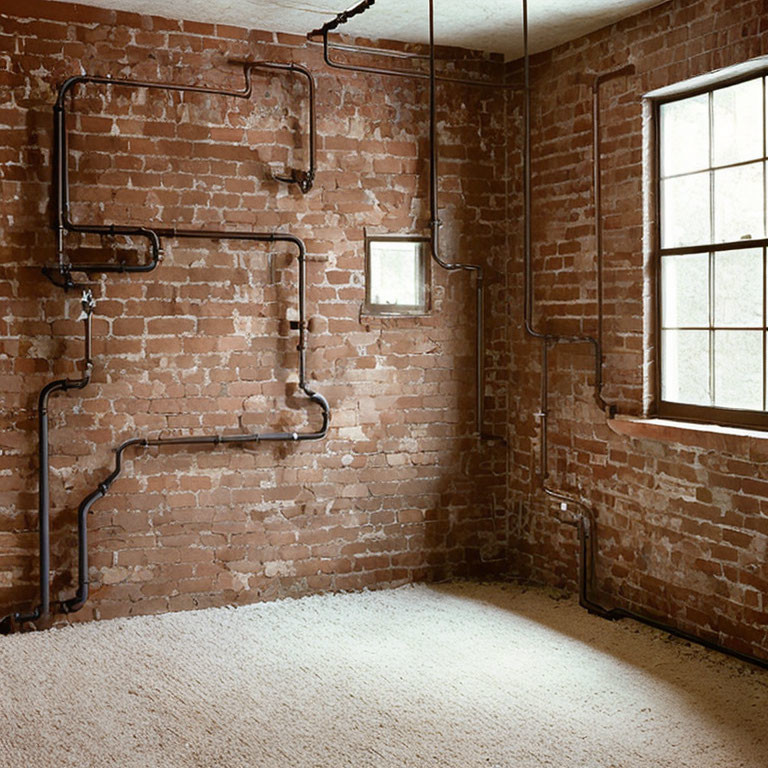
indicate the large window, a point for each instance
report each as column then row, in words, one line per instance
column 712, row 235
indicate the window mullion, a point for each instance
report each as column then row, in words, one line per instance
column 712, row 393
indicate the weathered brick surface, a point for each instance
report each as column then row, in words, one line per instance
column 401, row 489
column 684, row 525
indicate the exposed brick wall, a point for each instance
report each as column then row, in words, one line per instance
column 684, row 525
column 401, row 489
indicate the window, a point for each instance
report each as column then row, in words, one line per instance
column 396, row 275
column 713, row 327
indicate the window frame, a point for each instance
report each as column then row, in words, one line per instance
column 371, row 309
column 706, row 84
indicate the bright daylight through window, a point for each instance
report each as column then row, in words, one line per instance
column 397, row 275
column 712, row 196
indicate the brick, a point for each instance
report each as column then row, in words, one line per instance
column 203, row 344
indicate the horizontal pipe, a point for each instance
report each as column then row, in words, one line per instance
column 411, row 74
column 369, row 49
column 64, row 223
column 356, row 10
column 587, row 522
column 78, row 601
column 71, row 82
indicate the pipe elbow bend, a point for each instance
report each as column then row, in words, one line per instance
column 321, row 401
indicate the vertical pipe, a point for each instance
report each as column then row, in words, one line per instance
column 42, row 610
column 597, row 186
column 597, row 177
column 435, row 239
column 527, row 259
column 480, row 356
column 302, row 346
column 312, row 132
column 433, row 171
column 43, row 504
column 586, row 522
column 544, row 412
column 60, row 164
column 82, row 517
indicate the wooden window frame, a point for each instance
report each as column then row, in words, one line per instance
column 706, row 84
column 399, row 310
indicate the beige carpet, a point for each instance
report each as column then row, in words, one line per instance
column 464, row 676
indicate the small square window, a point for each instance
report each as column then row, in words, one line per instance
column 396, row 275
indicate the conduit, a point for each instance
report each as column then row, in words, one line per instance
column 356, row 10
column 435, row 222
column 65, row 268
column 77, row 602
column 44, row 499
column 64, row 224
column 586, row 521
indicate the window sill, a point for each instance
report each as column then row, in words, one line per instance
column 708, row 436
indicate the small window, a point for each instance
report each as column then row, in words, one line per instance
column 396, row 275
column 713, row 329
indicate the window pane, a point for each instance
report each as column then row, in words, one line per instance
column 685, row 290
column 395, row 274
column 685, row 214
column 685, row 135
column 685, row 367
column 739, row 204
column 739, row 369
column 737, row 113
column 739, row 288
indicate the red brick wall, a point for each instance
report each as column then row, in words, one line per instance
column 683, row 523
column 401, row 489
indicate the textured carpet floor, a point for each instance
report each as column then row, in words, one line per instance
column 464, row 676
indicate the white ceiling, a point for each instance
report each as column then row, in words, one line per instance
column 489, row 25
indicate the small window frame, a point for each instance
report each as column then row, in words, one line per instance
column 709, row 414
column 399, row 310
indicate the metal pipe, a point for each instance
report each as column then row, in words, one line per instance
column 435, row 225
column 76, row 603
column 304, row 179
column 528, row 296
column 586, row 523
column 64, row 268
column 42, row 610
column 597, row 177
column 342, row 18
column 369, row 49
